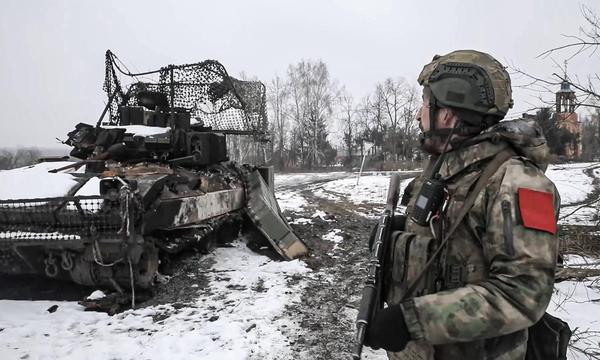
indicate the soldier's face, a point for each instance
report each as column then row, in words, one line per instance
column 423, row 114
column 445, row 118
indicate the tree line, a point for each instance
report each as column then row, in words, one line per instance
column 307, row 104
column 10, row 159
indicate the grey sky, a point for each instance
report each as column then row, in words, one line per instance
column 52, row 52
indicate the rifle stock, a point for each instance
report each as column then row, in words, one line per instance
column 372, row 291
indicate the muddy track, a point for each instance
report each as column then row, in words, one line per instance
column 329, row 302
column 336, row 283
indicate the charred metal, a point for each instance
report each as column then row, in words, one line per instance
column 160, row 193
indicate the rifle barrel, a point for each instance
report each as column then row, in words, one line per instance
column 371, row 294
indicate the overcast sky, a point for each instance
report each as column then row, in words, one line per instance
column 52, row 52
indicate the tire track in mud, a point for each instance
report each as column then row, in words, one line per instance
column 329, row 303
column 334, row 287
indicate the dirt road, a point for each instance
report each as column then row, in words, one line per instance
column 338, row 243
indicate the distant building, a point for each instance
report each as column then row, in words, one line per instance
column 566, row 102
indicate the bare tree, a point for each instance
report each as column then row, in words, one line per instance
column 590, row 140
column 349, row 123
column 586, row 42
column 312, row 94
column 6, row 159
column 301, row 108
column 401, row 105
column 387, row 117
column 277, row 97
column 409, row 133
column 373, row 120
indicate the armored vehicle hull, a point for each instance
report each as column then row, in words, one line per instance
column 150, row 184
column 139, row 217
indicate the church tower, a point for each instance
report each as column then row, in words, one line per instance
column 566, row 102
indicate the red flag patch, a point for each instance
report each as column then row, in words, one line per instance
column 537, row 210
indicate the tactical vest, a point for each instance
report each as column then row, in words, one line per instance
column 413, row 246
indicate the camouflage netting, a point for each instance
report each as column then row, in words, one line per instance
column 56, row 219
column 205, row 89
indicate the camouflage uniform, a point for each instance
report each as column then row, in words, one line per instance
column 498, row 273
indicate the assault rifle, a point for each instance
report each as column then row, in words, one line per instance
column 372, row 298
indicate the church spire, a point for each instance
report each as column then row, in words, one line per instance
column 566, row 102
column 565, row 97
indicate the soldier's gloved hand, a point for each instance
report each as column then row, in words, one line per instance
column 398, row 223
column 388, row 330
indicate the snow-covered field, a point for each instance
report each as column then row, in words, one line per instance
column 577, row 303
column 368, row 189
column 222, row 324
column 574, row 183
column 244, row 312
column 571, row 181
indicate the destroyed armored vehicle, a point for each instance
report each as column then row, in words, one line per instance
column 153, row 179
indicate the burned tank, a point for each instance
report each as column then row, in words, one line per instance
column 152, row 179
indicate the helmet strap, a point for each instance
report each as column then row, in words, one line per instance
column 438, row 164
column 433, row 110
column 433, row 131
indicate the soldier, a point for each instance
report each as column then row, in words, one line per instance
column 495, row 275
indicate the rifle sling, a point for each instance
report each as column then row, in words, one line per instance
column 487, row 173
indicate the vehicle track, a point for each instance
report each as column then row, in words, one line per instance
column 327, row 311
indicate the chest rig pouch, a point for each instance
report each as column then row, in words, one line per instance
column 408, row 255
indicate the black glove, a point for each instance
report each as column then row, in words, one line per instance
column 388, row 330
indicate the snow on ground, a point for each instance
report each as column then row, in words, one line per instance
column 579, row 215
column 578, row 303
column 293, row 201
column 239, row 318
column 140, row 130
column 574, row 186
column 290, row 201
column 322, row 193
column 290, row 179
column 370, row 188
column 570, row 180
column 337, row 186
column 35, row 181
column 301, row 221
column 335, row 237
column 321, row 215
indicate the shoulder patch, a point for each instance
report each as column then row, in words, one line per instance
column 537, row 210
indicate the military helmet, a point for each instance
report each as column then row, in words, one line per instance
column 470, row 80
